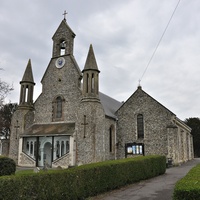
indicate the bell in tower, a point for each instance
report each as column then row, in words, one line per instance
column 62, row 47
column 63, row 40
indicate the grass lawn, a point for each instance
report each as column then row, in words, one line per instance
column 24, row 172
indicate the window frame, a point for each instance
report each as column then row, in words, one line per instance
column 140, row 126
column 112, row 139
column 57, row 108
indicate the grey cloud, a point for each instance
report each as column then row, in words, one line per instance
column 124, row 36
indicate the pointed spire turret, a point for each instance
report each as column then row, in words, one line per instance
column 27, row 85
column 91, row 63
column 28, row 75
column 91, row 78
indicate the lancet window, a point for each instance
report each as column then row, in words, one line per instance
column 140, row 126
column 58, row 108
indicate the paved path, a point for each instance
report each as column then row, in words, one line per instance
column 158, row 188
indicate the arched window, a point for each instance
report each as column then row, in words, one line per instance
column 111, row 138
column 35, row 149
column 59, row 107
column 62, row 47
column 97, row 86
column 67, row 146
column 26, row 94
column 140, row 126
column 39, row 153
column 57, row 149
column 31, row 149
column 27, row 146
column 87, row 83
column 92, row 83
column 62, row 148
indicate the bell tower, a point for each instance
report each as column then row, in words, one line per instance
column 63, row 40
column 91, row 78
column 27, row 86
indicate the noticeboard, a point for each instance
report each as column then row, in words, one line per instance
column 134, row 149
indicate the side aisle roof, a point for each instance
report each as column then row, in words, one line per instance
column 110, row 105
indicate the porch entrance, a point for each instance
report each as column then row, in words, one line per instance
column 47, row 154
column 45, row 150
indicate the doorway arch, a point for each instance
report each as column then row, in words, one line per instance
column 47, row 153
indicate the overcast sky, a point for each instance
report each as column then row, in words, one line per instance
column 124, row 35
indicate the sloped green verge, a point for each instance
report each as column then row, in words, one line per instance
column 81, row 182
column 188, row 188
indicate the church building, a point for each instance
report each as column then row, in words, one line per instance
column 73, row 123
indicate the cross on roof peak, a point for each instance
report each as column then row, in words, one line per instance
column 65, row 13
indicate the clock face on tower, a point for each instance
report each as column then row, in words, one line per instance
column 60, row 62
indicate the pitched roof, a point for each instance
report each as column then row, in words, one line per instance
column 110, row 105
column 50, row 129
column 76, row 65
column 64, row 24
column 139, row 90
column 91, row 60
column 28, row 74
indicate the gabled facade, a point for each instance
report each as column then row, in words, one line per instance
column 143, row 120
column 73, row 123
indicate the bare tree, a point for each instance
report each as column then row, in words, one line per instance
column 6, row 112
column 5, row 88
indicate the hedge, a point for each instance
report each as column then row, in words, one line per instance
column 188, row 188
column 7, row 166
column 81, row 182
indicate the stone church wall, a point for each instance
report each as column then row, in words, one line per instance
column 4, row 147
column 191, row 147
column 29, row 119
column 24, row 160
column 63, row 82
column 183, row 145
column 110, row 153
column 172, row 143
column 17, row 128
column 90, row 133
column 63, row 162
column 156, row 119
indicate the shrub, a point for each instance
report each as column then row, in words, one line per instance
column 7, row 166
column 81, row 182
column 188, row 188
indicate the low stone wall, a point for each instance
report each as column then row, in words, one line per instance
column 26, row 161
column 63, row 162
